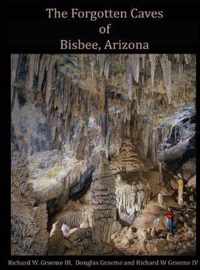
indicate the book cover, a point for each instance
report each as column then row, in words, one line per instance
column 103, row 123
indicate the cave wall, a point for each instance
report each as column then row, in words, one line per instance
column 91, row 101
column 29, row 234
column 69, row 110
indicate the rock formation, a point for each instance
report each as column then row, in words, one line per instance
column 29, row 234
column 94, row 140
column 104, row 203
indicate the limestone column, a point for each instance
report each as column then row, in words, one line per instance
column 103, row 203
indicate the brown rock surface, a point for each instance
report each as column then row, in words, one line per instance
column 28, row 222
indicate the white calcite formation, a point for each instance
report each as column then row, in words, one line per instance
column 130, row 199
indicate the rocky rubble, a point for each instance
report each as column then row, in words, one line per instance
column 29, row 234
column 144, row 238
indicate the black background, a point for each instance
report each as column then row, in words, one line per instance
column 30, row 31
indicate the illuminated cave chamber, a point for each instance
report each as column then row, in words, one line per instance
column 94, row 140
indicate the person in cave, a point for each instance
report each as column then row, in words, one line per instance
column 170, row 222
column 180, row 189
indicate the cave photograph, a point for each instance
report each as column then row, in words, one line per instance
column 103, row 155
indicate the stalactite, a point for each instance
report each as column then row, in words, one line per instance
column 81, row 63
column 177, row 57
column 101, row 62
column 154, row 145
column 92, row 69
column 49, row 80
column 41, row 72
column 129, row 199
column 14, row 64
column 187, row 58
column 146, row 136
column 166, row 69
column 152, row 58
column 31, row 71
column 106, row 70
column 130, row 84
column 92, row 60
column 143, row 56
column 135, row 64
column 36, row 63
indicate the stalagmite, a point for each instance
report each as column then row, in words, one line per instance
column 53, row 229
column 160, row 199
column 180, row 190
column 103, row 199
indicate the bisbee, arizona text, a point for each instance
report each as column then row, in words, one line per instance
column 108, row 45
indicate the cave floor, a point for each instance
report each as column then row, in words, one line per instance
column 126, row 242
column 182, row 242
